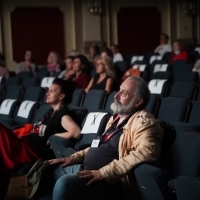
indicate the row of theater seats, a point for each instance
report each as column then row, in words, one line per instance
column 147, row 69
column 163, row 88
column 27, row 81
column 168, row 109
column 175, row 115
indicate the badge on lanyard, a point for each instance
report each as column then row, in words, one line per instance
column 95, row 143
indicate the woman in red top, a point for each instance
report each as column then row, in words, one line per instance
column 81, row 77
column 178, row 52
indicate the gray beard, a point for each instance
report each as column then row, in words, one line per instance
column 120, row 109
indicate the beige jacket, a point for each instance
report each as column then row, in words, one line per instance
column 140, row 142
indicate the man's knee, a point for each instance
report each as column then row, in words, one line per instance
column 66, row 182
column 68, row 186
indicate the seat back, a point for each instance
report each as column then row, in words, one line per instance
column 30, row 82
column 14, row 92
column 47, row 82
column 26, row 112
column 159, row 87
column 184, row 90
column 13, row 81
column 41, row 111
column 8, row 108
column 162, row 75
column 187, row 76
column 42, row 74
column 78, row 114
column 34, row 94
column 2, row 80
column 24, row 74
column 185, row 157
column 94, row 100
column 194, row 114
column 173, row 109
column 2, row 92
column 136, row 58
column 93, row 126
column 160, row 68
column 121, row 66
column 141, row 67
column 177, row 68
column 153, row 104
column 154, row 57
column 197, row 98
column 167, row 56
column 109, row 101
column 77, row 98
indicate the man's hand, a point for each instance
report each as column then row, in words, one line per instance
column 66, row 161
column 93, row 175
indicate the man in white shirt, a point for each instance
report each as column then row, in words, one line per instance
column 116, row 55
column 164, row 46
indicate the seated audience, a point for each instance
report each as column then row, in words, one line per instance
column 16, row 151
column 178, row 52
column 94, row 53
column 102, row 171
column 116, row 55
column 3, row 71
column 81, row 76
column 28, row 63
column 107, row 52
column 53, row 63
column 164, row 46
column 104, row 78
column 65, row 74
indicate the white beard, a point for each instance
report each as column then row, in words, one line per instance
column 118, row 108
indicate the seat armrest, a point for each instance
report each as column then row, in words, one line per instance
column 82, row 146
column 151, row 182
column 68, row 152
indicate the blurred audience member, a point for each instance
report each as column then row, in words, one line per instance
column 164, row 46
column 3, row 71
column 94, row 53
column 53, row 63
column 196, row 67
column 28, row 63
column 104, row 78
column 81, row 76
column 178, row 52
column 65, row 74
column 74, row 53
column 107, row 52
column 116, row 55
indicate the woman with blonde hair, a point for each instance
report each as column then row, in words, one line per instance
column 53, row 63
column 104, row 78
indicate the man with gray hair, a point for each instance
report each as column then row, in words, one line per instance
column 103, row 171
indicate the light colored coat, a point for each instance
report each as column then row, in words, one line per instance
column 140, row 142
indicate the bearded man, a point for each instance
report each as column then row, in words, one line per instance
column 103, row 171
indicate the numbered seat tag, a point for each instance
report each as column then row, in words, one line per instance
column 95, row 143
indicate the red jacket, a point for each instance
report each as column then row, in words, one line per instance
column 183, row 55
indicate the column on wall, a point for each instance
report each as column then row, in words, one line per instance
column 91, row 28
column 1, row 32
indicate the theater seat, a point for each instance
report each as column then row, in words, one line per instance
column 159, row 87
column 92, row 127
column 182, row 171
column 24, row 115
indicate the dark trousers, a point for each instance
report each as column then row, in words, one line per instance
column 57, row 183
